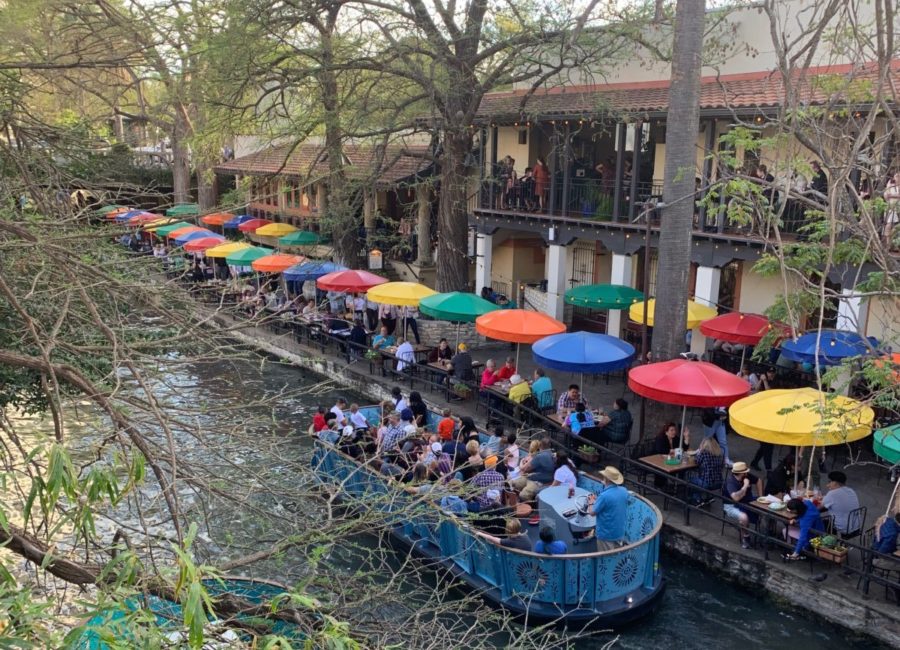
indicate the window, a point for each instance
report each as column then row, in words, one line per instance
column 523, row 136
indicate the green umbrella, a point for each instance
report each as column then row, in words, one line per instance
column 183, row 210
column 456, row 307
column 164, row 231
column 246, row 256
column 299, row 238
column 106, row 209
column 887, row 444
column 603, row 296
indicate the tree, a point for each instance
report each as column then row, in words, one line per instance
column 670, row 314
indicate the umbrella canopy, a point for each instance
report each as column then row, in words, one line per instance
column 203, row 243
column 696, row 313
column 106, row 209
column 735, row 327
column 234, row 222
column 518, row 325
column 247, row 256
column 123, row 217
column 252, row 224
column 603, row 296
column 399, row 293
column 687, row 383
column 275, row 230
column 115, row 212
column 584, row 352
column 151, row 226
column 202, row 233
column 801, row 417
column 887, row 444
column 456, row 306
column 142, row 219
column 163, row 231
column 833, row 347
column 299, row 238
column 891, row 363
column 183, row 210
column 217, row 218
column 349, row 281
column 311, row 270
column 275, row 263
column 224, row 250
column 174, row 234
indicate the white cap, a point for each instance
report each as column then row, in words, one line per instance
column 493, row 495
column 411, row 429
column 436, row 447
column 348, row 431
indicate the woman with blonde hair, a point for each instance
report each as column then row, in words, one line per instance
column 710, row 467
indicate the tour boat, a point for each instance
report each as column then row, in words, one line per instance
column 582, row 587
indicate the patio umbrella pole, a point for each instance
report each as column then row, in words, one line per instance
column 681, row 433
column 456, row 349
column 517, row 356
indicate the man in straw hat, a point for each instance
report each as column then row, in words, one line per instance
column 609, row 508
column 739, row 487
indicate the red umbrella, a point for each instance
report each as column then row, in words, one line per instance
column 201, row 244
column 353, row 281
column 736, row 327
column 253, row 224
column 687, row 383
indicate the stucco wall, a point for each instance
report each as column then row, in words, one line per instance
column 883, row 321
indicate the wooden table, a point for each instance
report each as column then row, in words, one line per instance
column 779, row 515
column 658, row 461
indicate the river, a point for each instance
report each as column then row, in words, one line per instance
column 699, row 610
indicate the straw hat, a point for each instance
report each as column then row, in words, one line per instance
column 740, row 468
column 490, row 462
column 516, row 379
column 612, row 474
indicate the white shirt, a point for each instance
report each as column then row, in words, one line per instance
column 564, row 476
column 405, row 355
column 359, row 303
column 402, row 404
column 339, row 413
column 359, row 421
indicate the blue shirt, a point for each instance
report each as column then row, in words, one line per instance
column 887, row 537
column 543, row 391
column 576, row 425
column 609, row 509
column 556, row 547
column 808, row 522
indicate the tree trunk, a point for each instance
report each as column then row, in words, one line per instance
column 670, row 317
column 207, row 193
column 423, row 197
column 181, row 166
column 453, row 224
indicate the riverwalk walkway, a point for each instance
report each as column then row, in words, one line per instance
column 834, row 592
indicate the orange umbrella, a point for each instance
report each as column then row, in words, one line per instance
column 518, row 326
column 112, row 214
column 182, row 231
column 276, row 263
column 217, row 218
column 890, row 360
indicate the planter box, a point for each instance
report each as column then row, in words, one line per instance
column 590, row 459
column 831, row 555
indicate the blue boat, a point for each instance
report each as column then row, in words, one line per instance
column 589, row 587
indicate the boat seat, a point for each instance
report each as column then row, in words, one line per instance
column 493, row 521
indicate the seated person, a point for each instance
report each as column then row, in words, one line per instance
column 489, row 375
column 569, row 400
column 710, row 465
column 840, row 501
column 565, row 472
column 780, row 481
column 580, row 419
column 542, row 388
column 406, row 355
column 548, row 544
column 618, row 423
column 666, row 440
column 318, row 422
column 442, row 353
column 357, row 419
column 805, row 522
column 739, row 487
column 885, row 541
column 519, row 389
column 461, row 364
column 508, row 369
column 536, row 472
column 515, row 537
column 446, row 426
column 382, row 339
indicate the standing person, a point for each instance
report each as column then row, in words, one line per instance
column 388, row 316
column 892, row 211
column 610, row 507
column 819, row 180
column 805, row 520
column 409, row 315
column 371, row 314
column 714, row 427
column 358, row 339
column 359, row 307
column 541, row 181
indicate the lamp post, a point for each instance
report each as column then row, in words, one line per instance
column 649, row 207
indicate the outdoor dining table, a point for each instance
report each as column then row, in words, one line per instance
column 658, row 461
column 442, row 368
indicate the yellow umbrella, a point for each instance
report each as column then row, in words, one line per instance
column 399, row 293
column 696, row 313
column 801, row 417
column 224, row 250
column 159, row 223
column 275, row 230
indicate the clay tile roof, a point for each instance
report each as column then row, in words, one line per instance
column 740, row 92
column 308, row 161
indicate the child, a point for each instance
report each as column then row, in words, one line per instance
column 511, row 453
column 357, row 419
column 319, row 419
column 446, row 426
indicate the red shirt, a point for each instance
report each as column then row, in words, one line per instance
column 319, row 422
column 488, row 378
column 445, row 428
column 505, row 372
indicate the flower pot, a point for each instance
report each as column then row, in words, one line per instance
column 838, row 556
column 590, row 459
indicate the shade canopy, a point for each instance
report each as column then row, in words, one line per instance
column 234, row 222
column 311, row 270
column 584, row 352
column 887, row 444
column 217, row 218
column 401, row 294
column 124, row 217
column 202, row 233
column 142, row 219
column 891, row 364
column 246, row 256
column 696, row 313
column 275, row 263
column 106, row 209
column 518, row 325
column 603, row 296
column 203, row 243
column 456, row 306
column 275, row 230
column 801, row 417
column 115, row 212
column 735, row 327
column 183, row 210
column 151, row 226
column 251, row 225
column 349, row 281
column 832, row 347
column 687, row 383
column 174, row 234
column 224, row 250
column 163, row 231
column 299, row 238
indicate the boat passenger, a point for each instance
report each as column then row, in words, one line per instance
column 580, row 419
column 805, row 521
column 383, row 339
column 406, row 355
column 492, row 446
column 511, row 453
column 610, row 507
column 508, row 369
column 338, row 410
column 490, row 485
column 474, row 462
column 549, row 544
column 456, row 450
column 739, row 487
column 331, row 434
column 537, row 472
column 569, row 400
column 418, row 408
column 399, row 402
column 349, row 441
column 515, row 537
column 357, row 419
column 565, row 471
column 394, row 434
column 318, row 422
column 519, row 389
column 461, row 364
column 446, row 426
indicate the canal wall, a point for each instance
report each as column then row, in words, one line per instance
column 719, row 555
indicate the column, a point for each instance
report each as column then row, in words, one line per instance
column 423, row 197
column 852, row 312
column 635, row 171
column 622, row 273
column 622, row 134
column 556, row 280
column 706, row 292
column 484, row 251
column 322, row 199
column 369, row 215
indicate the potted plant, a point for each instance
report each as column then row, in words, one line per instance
column 589, row 454
column 373, row 355
column 462, row 390
column 828, row 547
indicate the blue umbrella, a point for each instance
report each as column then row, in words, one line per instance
column 237, row 221
column 583, row 352
column 834, row 346
column 310, row 270
column 125, row 216
column 194, row 234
